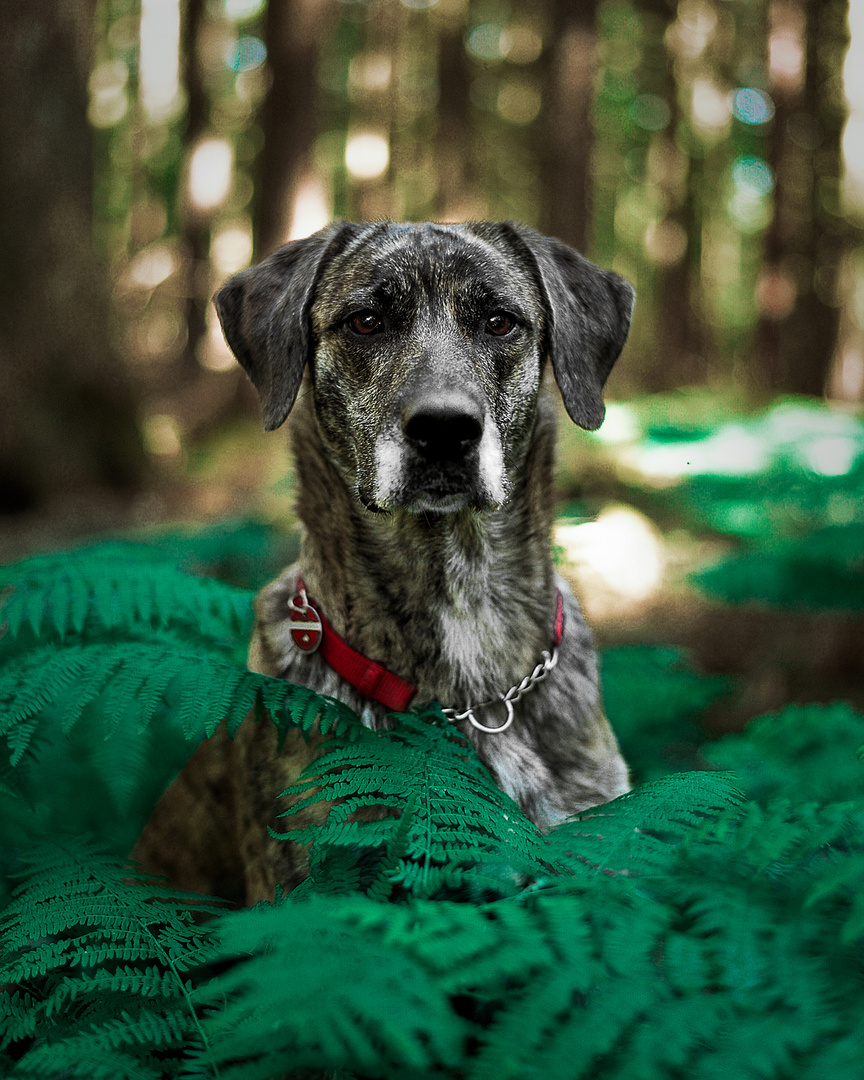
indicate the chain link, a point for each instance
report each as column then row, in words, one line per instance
column 509, row 699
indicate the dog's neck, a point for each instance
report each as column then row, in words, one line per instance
column 459, row 604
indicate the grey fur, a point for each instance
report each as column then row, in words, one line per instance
column 426, row 541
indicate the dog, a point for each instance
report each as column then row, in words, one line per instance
column 413, row 358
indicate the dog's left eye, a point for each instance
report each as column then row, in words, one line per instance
column 364, row 322
column 500, row 323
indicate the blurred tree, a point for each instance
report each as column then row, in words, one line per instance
column 293, row 31
column 808, row 235
column 672, row 244
column 196, row 225
column 453, row 158
column 567, row 137
column 68, row 423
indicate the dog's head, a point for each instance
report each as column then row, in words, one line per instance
column 426, row 346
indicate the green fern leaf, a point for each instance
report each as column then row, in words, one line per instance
column 639, row 833
column 131, row 678
column 808, row 750
column 119, row 588
column 99, row 956
column 86, row 1057
column 337, row 998
column 823, row 570
column 464, row 831
column 654, row 699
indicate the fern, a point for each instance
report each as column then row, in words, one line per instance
column 96, row 732
column 456, row 828
column 824, row 570
column 600, row 969
column 117, row 589
column 639, row 833
column 654, row 698
column 341, row 996
column 113, row 664
column 682, row 931
column 102, row 969
column 244, row 552
column 131, row 680
column 809, row 752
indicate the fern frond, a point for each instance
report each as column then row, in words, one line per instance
column 337, row 997
column 639, row 833
column 133, row 680
column 241, row 551
column 654, row 699
column 100, row 955
column 439, row 805
column 809, row 752
column 824, row 570
column 117, row 588
column 87, row 1056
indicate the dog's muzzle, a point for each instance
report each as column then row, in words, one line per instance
column 441, row 455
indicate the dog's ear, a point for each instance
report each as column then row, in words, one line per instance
column 264, row 312
column 588, row 313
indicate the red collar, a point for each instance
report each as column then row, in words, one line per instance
column 310, row 631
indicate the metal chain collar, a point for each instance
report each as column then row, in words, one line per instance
column 513, row 694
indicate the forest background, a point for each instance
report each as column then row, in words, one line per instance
column 707, row 924
column 712, row 151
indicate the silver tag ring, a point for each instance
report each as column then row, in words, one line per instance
column 472, row 719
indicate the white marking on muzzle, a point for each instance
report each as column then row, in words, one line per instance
column 491, row 463
column 389, row 467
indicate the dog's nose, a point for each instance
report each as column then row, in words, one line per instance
column 443, row 428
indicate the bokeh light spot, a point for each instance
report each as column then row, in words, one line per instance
column 650, row 112
column 367, row 155
column 519, row 102
column 753, row 176
column 243, row 9
column 210, row 172
column 752, row 106
column 488, row 41
column 245, row 54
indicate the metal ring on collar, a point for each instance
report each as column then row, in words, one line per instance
column 472, row 719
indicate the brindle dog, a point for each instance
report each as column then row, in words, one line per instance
column 423, row 440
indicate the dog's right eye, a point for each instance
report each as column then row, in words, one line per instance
column 364, row 322
column 500, row 323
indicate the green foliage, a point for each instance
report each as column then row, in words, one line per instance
column 119, row 590
column 679, row 933
column 653, row 699
column 444, row 824
column 805, row 753
column 112, row 661
column 97, row 969
column 684, row 930
column 795, row 466
column 244, row 552
column 823, row 570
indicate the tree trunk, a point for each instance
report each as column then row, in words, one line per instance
column 807, row 237
column 678, row 359
column 567, row 132
column 68, row 418
column 196, row 226
column 293, row 32
column 453, row 142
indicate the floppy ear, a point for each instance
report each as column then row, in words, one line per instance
column 588, row 313
column 264, row 313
